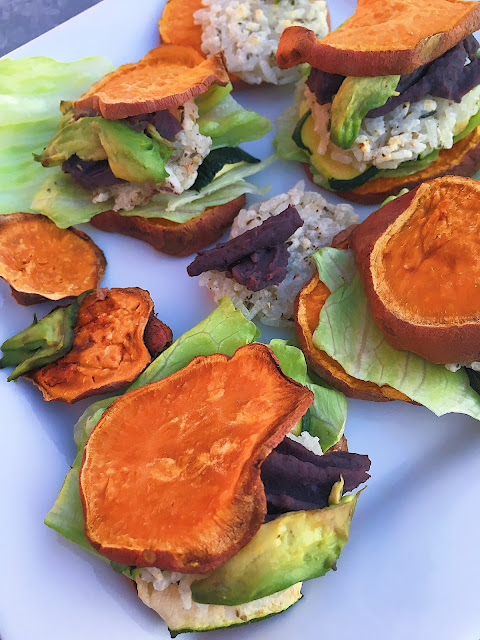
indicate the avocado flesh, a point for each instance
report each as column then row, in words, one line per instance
column 80, row 137
column 355, row 98
column 295, row 547
column 132, row 156
column 324, row 164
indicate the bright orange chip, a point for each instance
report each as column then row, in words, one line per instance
column 383, row 38
column 167, row 76
column 177, row 26
column 171, row 474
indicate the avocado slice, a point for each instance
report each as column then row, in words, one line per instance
column 80, row 137
column 132, row 156
column 324, row 163
column 296, row 546
column 355, row 98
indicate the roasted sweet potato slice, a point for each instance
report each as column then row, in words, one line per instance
column 174, row 238
column 177, row 26
column 463, row 159
column 383, row 38
column 418, row 260
column 167, row 76
column 308, row 305
column 171, row 474
column 114, row 338
column 42, row 262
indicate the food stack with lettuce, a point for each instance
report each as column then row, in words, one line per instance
column 152, row 147
column 392, row 313
column 392, row 98
column 205, row 483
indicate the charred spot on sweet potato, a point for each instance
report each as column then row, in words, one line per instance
column 383, row 38
column 173, row 238
column 42, row 262
column 308, row 305
column 109, row 347
column 171, row 474
column 418, row 258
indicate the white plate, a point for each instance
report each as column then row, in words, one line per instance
column 411, row 569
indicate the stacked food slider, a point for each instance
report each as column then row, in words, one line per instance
column 194, row 485
column 392, row 99
column 143, row 147
column 392, row 313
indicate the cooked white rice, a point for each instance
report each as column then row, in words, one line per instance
column 191, row 147
column 248, row 32
column 401, row 135
column 312, row 443
column 322, row 221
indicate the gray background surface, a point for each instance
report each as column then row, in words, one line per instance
column 23, row 20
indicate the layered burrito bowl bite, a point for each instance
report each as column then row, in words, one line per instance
column 392, row 98
column 141, row 149
column 392, row 312
column 247, row 32
column 193, row 486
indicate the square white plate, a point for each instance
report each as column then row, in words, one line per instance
column 411, row 569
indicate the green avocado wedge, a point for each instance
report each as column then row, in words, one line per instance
column 132, row 156
column 79, row 137
column 296, row 546
column 41, row 343
column 355, row 98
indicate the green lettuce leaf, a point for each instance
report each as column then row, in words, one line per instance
column 326, row 417
column 229, row 124
column 348, row 333
column 286, row 148
column 67, row 204
column 30, row 92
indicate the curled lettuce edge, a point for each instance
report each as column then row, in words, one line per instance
column 348, row 333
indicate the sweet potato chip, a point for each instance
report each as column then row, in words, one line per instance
column 177, row 26
column 463, row 159
column 42, row 262
column 308, row 305
column 383, row 38
column 173, row 238
column 171, row 474
column 418, row 260
column 167, row 76
column 110, row 346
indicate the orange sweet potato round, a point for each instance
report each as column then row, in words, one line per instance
column 383, row 38
column 114, row 339
column 171, row 474
column 308, row 305
column 463, row 159
column 173, row 238
column 42, row 262
column 167, row 76
column 176, row 25
column 418, row 260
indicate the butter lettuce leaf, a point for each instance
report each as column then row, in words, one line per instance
column 326, row 417
column 67, row 204
column 30, row 92
column 286, row 148
column 349, row 334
